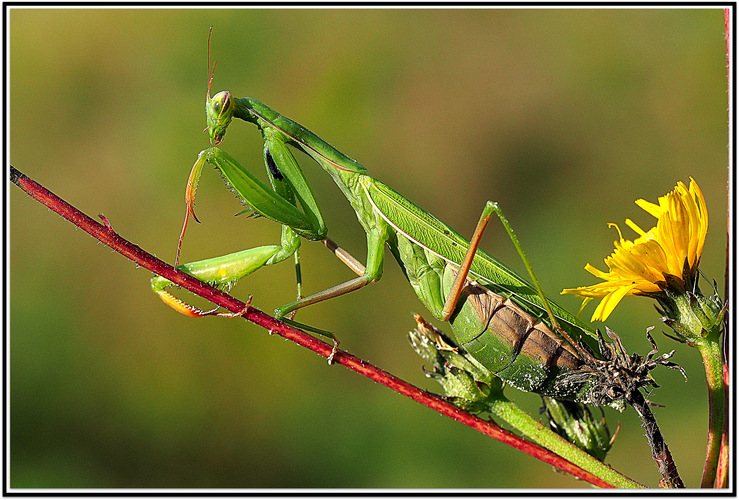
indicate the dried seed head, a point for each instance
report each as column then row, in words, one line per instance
column 619, row 375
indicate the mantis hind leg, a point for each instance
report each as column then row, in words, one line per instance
column 464, row 268
column 491, row 208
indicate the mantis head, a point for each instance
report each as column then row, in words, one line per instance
column 219, row 111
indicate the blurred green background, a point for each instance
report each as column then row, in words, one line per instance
column 563, row 116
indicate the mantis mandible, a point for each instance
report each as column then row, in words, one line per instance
column 503, row 321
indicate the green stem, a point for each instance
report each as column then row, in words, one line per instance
column 537, row 432
column 710, row 350
column 722, row 473
column 698, row 320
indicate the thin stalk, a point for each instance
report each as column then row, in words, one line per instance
column 722, row 472
column 712, row 360
column 106, row 234
column 660, row 452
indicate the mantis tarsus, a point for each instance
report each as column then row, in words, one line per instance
column 507, row 324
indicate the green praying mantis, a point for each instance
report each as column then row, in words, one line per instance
column 504, row 322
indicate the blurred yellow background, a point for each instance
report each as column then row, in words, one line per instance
column 565, row 117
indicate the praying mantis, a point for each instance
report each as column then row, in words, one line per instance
column 504, row 322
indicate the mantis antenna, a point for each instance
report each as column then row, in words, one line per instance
column 192, row 181
column 211, row 72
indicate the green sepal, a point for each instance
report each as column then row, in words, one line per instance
column 465, row 381
column 575, row 422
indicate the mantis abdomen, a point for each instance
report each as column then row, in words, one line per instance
column 510, row 342
column 516, row 346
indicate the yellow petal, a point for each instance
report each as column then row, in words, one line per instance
column 596, row 272
column 635, row 228
column 609, row 303
column 652, row 209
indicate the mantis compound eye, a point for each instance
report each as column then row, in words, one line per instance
column 222, row 101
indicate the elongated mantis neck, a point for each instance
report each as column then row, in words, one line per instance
column 344, row 170
column 244, row 111
column 251, row 110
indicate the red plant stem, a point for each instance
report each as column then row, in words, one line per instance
column 722, row 469
column 104, row 233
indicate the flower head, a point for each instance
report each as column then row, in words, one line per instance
column 665, row 257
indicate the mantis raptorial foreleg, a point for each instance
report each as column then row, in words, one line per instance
column 278, row 203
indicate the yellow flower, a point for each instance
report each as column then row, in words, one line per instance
column 664, row 257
